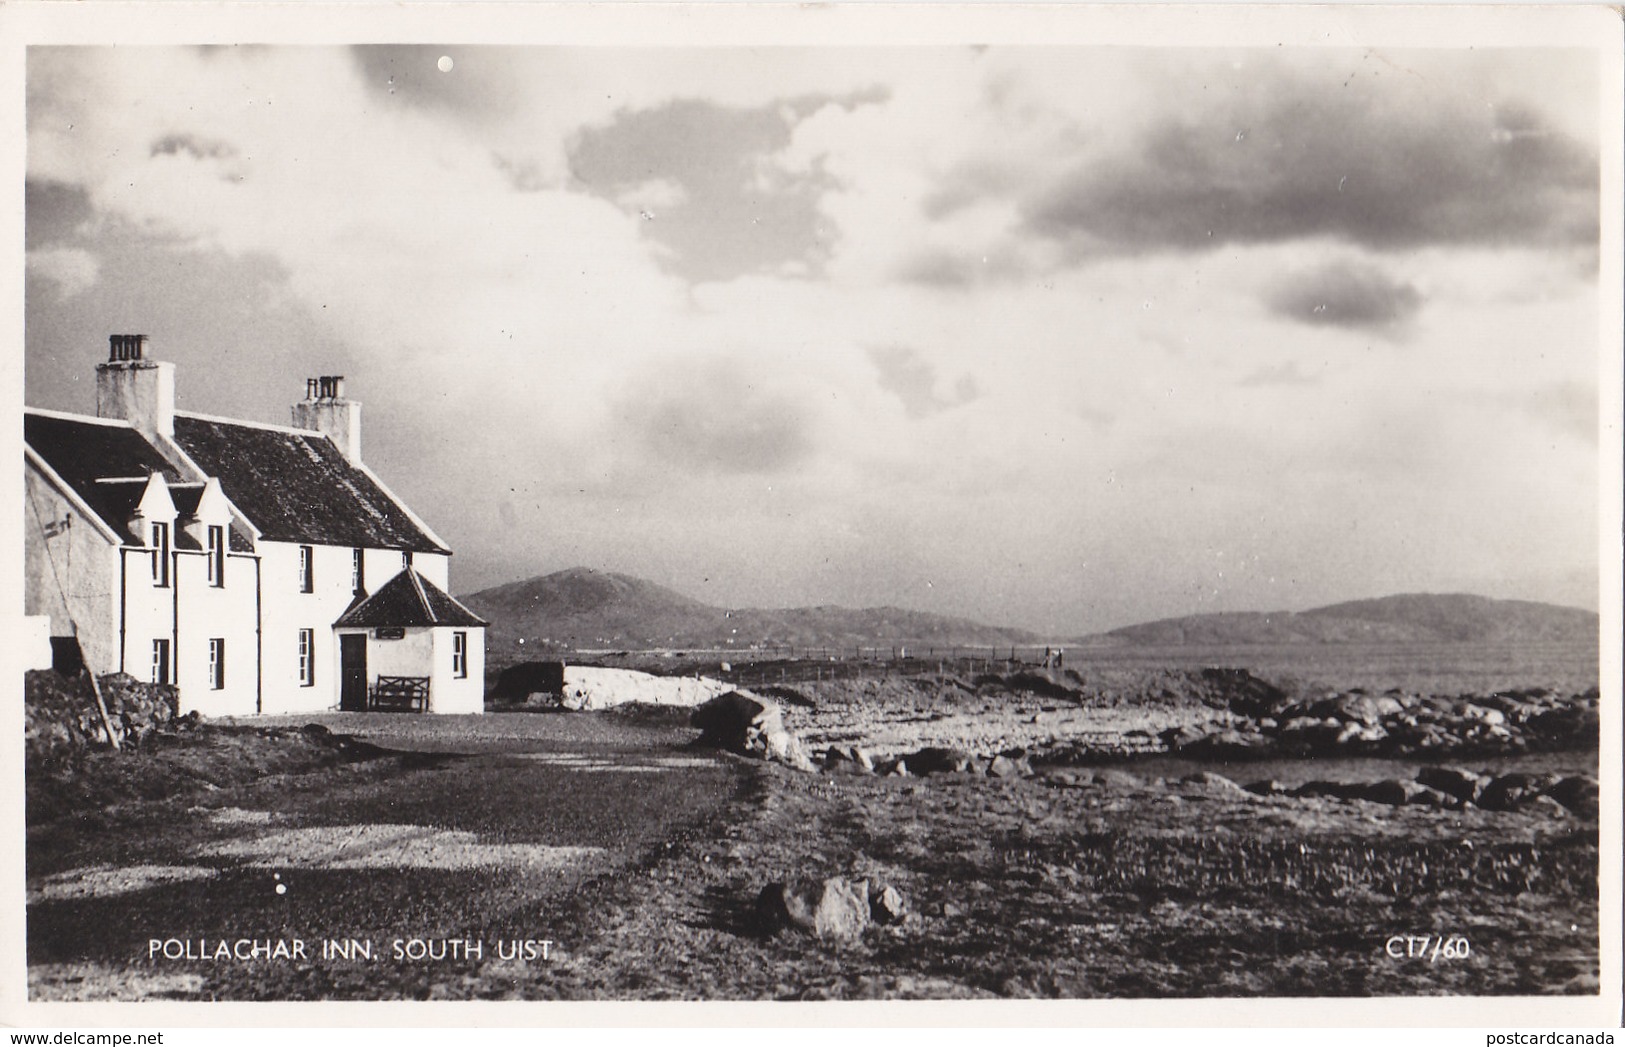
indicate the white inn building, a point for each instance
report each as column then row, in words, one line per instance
column 260, row 568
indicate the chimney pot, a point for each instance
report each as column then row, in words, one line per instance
column 126, row 348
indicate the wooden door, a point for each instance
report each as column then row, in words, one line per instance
column 353, row 673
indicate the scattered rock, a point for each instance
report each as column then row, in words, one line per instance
column 1009, row 767
column 936, row 760
column 1391, row 791
column 1580, row 794
column 886, row 904
column 848, row 759
column 1511, row 791
column 1216, row 783
column 1546, row 805
column 1463, row 785
column 743, row 723
column 832, row 910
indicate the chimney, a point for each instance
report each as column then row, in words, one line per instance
column 134, row 388
column 325, row 410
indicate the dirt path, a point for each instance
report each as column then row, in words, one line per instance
column 475, row 836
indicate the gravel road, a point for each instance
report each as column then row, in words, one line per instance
column 475, row 832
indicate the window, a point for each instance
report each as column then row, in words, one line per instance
column 307, row 657
column 160, row 555
column 307, row 569
column 459, row 654
column 217, row 555
column 160, row 661
column 217, row 663
column 358, row 571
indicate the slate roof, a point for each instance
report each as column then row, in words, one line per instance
column 408, row 599
column 83, row 452
column 298, row 487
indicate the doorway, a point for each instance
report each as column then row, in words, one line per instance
column 353, row 673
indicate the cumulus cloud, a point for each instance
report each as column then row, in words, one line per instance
column 652, row 197
column 726, row 211
column 910, row 377
column 1308, row 160
column 538, row 360
column 1346, row 294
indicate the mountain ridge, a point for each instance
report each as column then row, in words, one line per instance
column 1400, row 618
column 587, row 608
column 582, row 607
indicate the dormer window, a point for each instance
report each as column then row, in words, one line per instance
column 160, row 555
column 217, row 555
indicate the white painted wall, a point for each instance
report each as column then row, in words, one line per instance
column 72, row 576
column 208, row 612
column 434, row 566
column 285, row 610
column 412, row 655
column 450, row 693
column 149, row 614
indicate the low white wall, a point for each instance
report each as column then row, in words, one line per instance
column 589, row 688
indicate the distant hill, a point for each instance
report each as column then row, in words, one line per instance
column 1409, row 618
column 584, row 608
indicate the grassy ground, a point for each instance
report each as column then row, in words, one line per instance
column 1121, row 887
column 641, row 861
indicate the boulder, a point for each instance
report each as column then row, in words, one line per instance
column 936, row 760
column 1364, row 708
column 1226, row 744
column 743, row 723
column 1175, row 738
column 1573, row 725
column 832, row 910
column 1216, row 784
column 1338, row 790
column 1511, row 791
column 1268, row 787
column 848, row 759
column 886, row 904
column 1463, row 785
column 1581, row 794
column 1484, row 714
column 1431, row 797
column 1009, row 767
column 1545, row 805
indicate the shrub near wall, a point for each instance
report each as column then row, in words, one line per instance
column 61, row 719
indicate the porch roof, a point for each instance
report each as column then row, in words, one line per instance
column 408, row 599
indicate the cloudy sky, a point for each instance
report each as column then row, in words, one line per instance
column 1058, row 337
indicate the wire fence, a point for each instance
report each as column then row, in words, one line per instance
column 789, row 664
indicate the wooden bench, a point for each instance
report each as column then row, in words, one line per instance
column 404, row 693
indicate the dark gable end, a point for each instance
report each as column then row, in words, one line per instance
column 84, row 452
column 297, row 487
column 408, row 599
